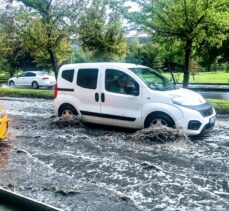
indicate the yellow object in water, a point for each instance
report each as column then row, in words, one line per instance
column 3, row 125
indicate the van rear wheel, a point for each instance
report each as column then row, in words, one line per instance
column 67, row 110
column 159, row 120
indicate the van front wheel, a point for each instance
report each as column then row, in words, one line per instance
column 159, row 120
column 67, row 110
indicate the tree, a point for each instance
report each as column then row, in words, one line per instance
column 186, row 21
column 144, row 53
column 101, row 32
column 210, row 55
column 47, row 28
column 11, row 51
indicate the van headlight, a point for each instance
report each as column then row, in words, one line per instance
column 183, row 101
column 179, row 100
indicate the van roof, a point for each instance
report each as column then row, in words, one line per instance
column 99, row 64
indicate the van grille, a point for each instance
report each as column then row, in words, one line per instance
column 205, row 109
column 207, row 112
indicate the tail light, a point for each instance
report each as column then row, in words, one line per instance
column 45, row 78
column 55, row 90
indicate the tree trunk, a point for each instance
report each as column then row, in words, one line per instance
column 54, row 62
column 188, row 49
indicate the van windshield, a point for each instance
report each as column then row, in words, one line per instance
column 153, row 79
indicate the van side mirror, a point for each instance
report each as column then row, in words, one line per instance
column 132, row 91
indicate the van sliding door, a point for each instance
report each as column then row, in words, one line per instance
column 87, row 92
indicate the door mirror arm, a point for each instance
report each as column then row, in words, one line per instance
column 134, row 92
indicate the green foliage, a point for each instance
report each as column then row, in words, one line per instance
column 4, row 76
column 47, row 35
column 185, row 22
column 39, row 38
column 212, row 57
column 11, row 51
column 145, row 54
column 185, row 34
column 102, row 34
column 81, row 56
column 135, row 52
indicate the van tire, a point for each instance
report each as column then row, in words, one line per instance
column 159, row 119
column 35, row 85
column 67, row 109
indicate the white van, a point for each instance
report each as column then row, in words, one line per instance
column 129, row 95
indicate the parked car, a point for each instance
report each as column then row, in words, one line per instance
column 34, row 79
column 129, row 95
column 3, row 124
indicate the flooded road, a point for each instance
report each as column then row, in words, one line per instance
column 95, row 168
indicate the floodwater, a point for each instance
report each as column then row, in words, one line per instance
column 85, row 167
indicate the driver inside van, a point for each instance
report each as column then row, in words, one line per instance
column 117, row 85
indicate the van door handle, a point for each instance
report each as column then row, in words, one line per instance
column 103, row 97
column 97, row 97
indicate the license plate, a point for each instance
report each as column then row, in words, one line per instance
column 212, row 120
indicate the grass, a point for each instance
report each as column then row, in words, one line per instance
column 203, row 77
column 222, row 106
column 32, row 93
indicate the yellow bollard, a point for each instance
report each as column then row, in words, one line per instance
column 3, row 125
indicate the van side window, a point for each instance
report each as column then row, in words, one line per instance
column 68, row 75
column 119, row 82
column 87, row 78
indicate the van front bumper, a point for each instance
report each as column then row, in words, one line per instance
column 195, row 123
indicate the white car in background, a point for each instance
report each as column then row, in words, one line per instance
column 34, row 79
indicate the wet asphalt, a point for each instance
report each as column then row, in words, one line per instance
column 88, row 167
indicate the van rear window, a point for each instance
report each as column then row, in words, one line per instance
column 68, row 75
column 87, row 78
